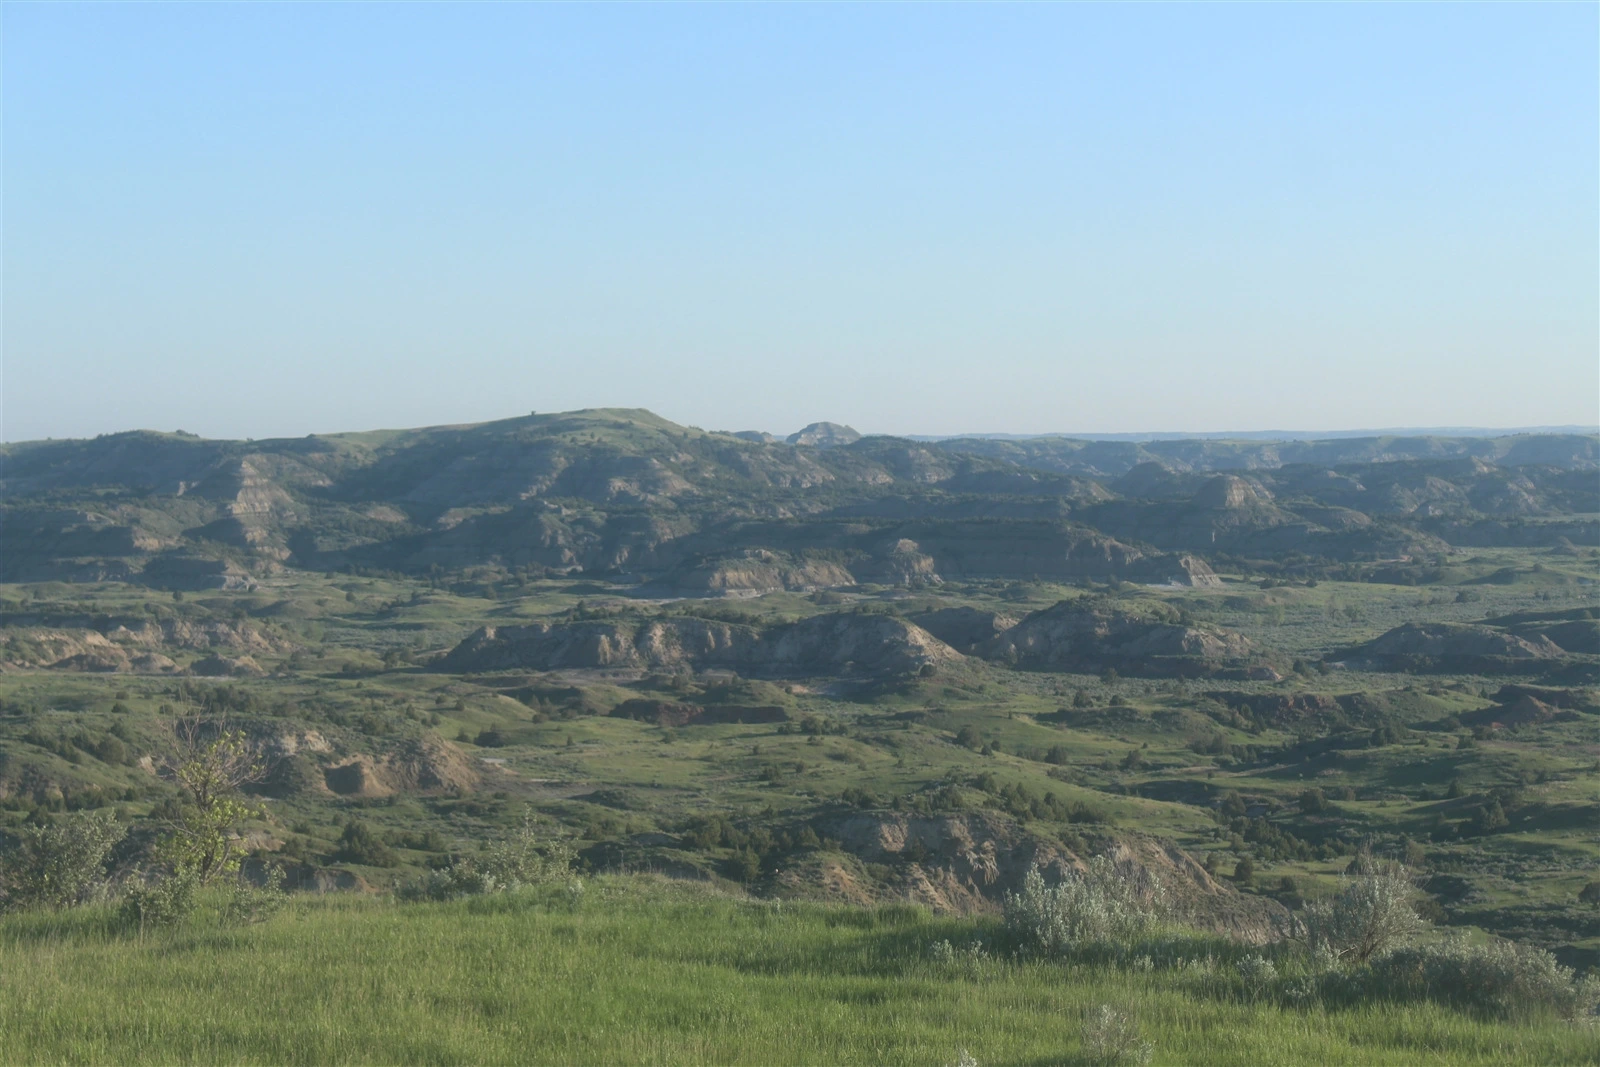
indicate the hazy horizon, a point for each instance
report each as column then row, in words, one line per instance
column 264, row 221
column 781, row 432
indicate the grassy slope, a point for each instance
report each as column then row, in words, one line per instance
column 645, row 972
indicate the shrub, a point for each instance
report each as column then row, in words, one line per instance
column 1501, row 979
column 1257, row 973
column 165, row 901
column 360, row 844
column 1098, row 906
column 521, row 859
column 61, row 863
column 1110, row 1037
column 1370, row 914
column 248, row 904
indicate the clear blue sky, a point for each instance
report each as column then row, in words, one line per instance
column 273, row 219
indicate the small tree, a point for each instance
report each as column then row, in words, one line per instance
column 1491, row 817
column 203, row 839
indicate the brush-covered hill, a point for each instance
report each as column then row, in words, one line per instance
column 624, row 490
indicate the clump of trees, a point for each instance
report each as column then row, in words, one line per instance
column 64, row 862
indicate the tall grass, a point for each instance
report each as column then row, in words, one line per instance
column 644, row 971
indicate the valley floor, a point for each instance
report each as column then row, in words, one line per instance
column 637, row 970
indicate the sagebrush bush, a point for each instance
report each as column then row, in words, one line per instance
column 1110, row 1037
column 1097, row 906
column 1370, row 914
column 1257, row 973
column 1501, row 979
column 60, row 863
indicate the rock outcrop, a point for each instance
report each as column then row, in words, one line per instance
column 1443, row 639
column 838, row 644
column 136, row 644
column 964, row 628
column 824, row 435
column 753, row 573
column 967, row 863
column 423, row 765
column 1092, row 636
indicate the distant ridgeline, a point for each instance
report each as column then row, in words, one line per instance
column 684, row 512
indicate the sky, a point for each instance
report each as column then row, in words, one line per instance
column 257, row 220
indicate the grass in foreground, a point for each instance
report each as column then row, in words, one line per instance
column 641, row 971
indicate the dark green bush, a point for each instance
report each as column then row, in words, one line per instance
column 361, row 844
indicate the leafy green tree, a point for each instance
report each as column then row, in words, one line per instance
column 745, row 865
column 1491, row 817
column 203, row 838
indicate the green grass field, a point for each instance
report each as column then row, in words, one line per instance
column 640, row 970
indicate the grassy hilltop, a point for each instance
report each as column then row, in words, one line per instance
column 641, row 972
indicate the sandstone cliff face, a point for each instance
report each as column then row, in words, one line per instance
column 1095, row 636
column 136, row 644
column 425, row 765
column 1229, row 491
column 755, row 572
column 900, row 562
column 847, row 645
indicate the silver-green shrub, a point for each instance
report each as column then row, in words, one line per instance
column 1110, row 1037
column 1370, row 914
column 1501, row 979
column 1096, row 906
column 1257, row 973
